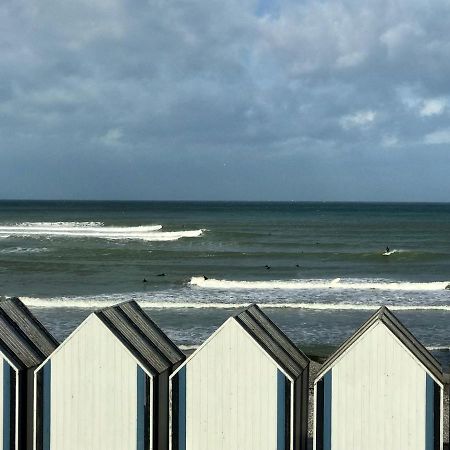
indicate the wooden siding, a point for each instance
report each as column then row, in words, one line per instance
column 231, row 394
column 378, row 396
column 94, row 384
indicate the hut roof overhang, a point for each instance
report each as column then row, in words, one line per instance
column 23, row 339
column 386, row 317
column 270, row 338
column 142, row 338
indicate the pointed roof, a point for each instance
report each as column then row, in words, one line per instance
column 143, row 338
column 23, row 338
column 385, row 316
column 273, row 340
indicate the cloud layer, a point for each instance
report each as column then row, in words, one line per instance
column 265, row 100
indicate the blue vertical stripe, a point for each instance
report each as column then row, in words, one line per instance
column 46, row 404
column 281, row 411
column 429, row 425
column 327, row 398
column 140, row 402
column 6, row 406
column 182, row 409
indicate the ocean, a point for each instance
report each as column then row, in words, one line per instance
column 318, row 269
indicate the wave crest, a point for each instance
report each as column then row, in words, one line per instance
column 337, row 283
column 95, row 230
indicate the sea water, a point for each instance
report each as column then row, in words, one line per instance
column 318, row 269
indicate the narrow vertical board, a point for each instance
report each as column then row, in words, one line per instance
column 6, row 406
column 281, row 411
column 46, row 405
column 429, row 418
column 140, row 413
column 182, row 409
column 327, row 399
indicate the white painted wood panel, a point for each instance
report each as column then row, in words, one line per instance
column 231, row 394
column 93, row 392
column 378, row 396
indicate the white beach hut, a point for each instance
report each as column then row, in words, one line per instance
column 106, row 386
column 24, row 344
column 245, row 388
column 380, row 390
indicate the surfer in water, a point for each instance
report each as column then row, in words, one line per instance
column 387, row 249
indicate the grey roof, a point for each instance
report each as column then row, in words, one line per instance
column 273, row 340
column 22, row 337
column 153, row 349
column 385, row 316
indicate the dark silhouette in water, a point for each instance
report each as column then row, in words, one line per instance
column 161, row 275
column 144, row 280
column 387, row 249
column 205, row 278
column 297, row 265
column 267, row 267
column 447, row 287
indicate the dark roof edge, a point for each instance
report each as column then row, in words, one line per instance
column 413, row 345
column 126, row 343
column 305, row 360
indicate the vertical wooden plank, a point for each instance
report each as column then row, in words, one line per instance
column 46, row 405
column 6, row 406
column 281, row 412
column 429, row 416
column 327, row 405
column 182, row 409
column 140, row 408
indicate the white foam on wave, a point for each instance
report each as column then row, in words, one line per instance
column 95, row 230
column 337, row 283
column 99, row 302
column 20, row 250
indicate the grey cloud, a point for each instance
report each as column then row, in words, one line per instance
column 236, row 99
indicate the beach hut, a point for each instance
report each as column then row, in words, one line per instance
column 380, row 390
column 24, row 344
column 106, row 387
column 245, row 388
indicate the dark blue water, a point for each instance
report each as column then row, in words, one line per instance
column 318, row 268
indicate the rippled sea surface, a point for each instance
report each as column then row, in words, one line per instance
column 318, row 269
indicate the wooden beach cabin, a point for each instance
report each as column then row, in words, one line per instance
column 380, row 390
column 106, row 386
column 245, row 388
column 24, row 344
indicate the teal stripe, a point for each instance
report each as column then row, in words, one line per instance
column 182, row 409
column 140, row 401
column 6, row 406
column 281, row 411
column 46, row 404
column 429, row 426
column 327, row 398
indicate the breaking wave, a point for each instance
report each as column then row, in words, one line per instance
column 102, row 302
column 94, row 230
column 337, row 283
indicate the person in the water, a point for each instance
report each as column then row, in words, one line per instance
column 387, row 249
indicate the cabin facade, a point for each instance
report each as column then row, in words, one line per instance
column 106, row 386
column 380, row 390
column 246, row 388
column 24, row 344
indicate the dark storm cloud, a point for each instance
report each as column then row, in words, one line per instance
column 237, row 99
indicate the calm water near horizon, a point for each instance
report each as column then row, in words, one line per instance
column 318, row 269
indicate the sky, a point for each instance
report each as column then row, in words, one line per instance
column 225, row 100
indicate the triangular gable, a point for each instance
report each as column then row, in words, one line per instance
column 411, row 344
column 79, row 329
column 262, row 348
